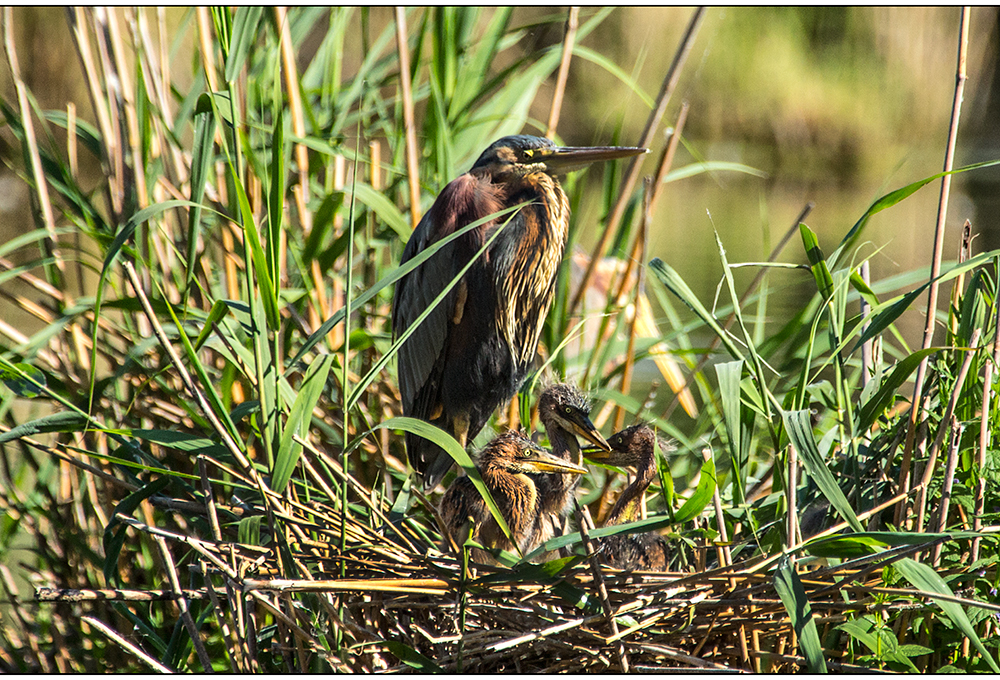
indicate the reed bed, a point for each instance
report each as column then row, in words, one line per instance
column 202, row 462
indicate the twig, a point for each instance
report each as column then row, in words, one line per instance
column 916, row 404
column 635, row 165
column 114, row 595
column 583, row 518
column 182, row 604
column 567, row 53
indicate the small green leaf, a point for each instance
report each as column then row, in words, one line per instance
column 702, row 495
column 23, row 379
column 412, row 658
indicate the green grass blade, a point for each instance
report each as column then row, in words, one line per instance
column 202, row 157
column 675, row 284
column 817, row 263
column 454, row 449
column 800, row 434
column 702, row 495
column 730, row 374
column 298, row 421
column 245, row 28
column 411, row 657
column 928, row 580
column 889, row 200
column 793, row 596
column 65, row 421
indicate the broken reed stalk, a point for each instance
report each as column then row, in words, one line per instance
column 917, row 403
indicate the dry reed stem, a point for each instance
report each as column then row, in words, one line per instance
column 569, row 38
column 126, row 645
column 409, row 119
column 943, row 429
column 941, row 519
column 917, row 403
column 182, row 604
column 37, row 172
column 637, row 256
column 635, row 164
column 979, row 494
column 583, row 519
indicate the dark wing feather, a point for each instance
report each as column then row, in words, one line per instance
column 421, row 358
column 415, row 293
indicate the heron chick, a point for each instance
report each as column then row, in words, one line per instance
column 506, row 466
column 632, row 447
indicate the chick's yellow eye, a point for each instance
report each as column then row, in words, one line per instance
column 569, row 409
column 528, row 153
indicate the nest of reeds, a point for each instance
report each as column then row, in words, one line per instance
column 382, row 587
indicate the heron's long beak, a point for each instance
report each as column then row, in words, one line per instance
column 541, row 460
column 563, row 159
column 598, row 454
column 582, row 426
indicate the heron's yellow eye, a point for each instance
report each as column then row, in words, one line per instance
column 569, row 409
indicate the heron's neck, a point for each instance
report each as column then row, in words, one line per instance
column 515, row 495
column 533, row 247
column 564, row 444
column 626, row 509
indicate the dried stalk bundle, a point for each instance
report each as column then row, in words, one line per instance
column 399, row 602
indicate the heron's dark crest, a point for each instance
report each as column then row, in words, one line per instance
column 509, row 465
column 632, row 447
column 473, row 350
